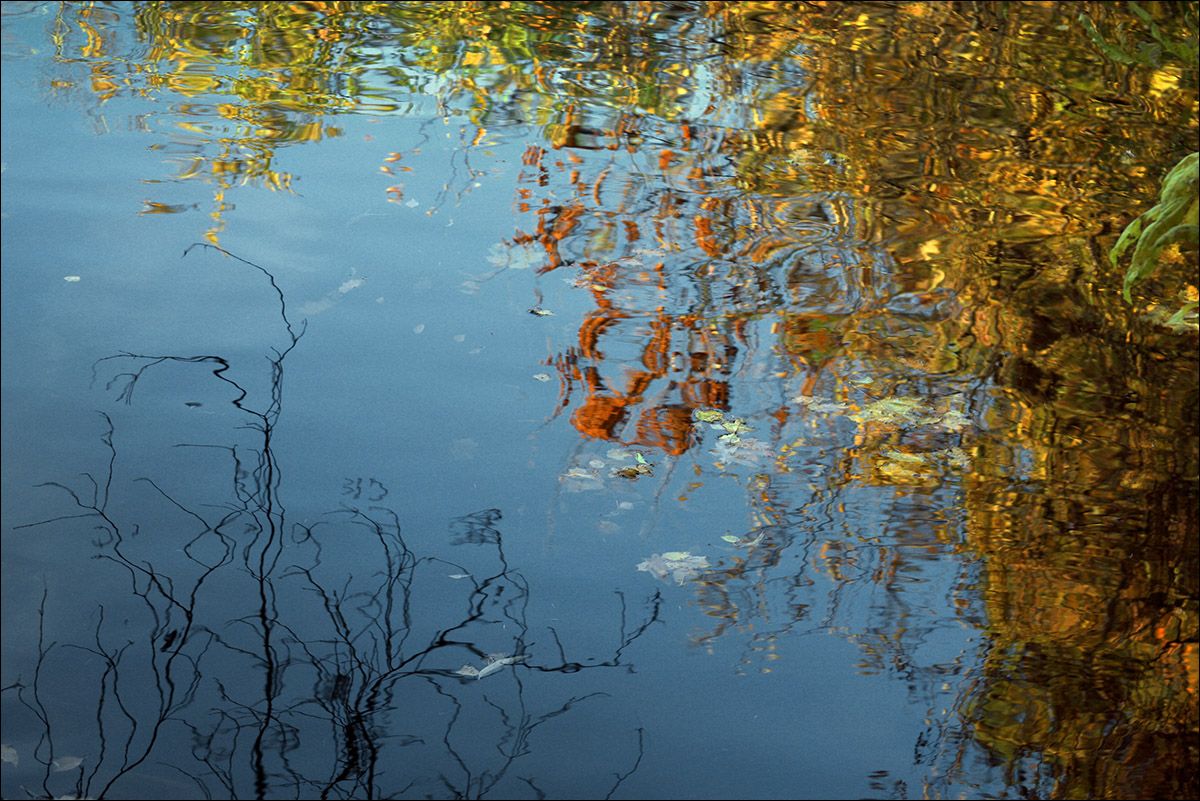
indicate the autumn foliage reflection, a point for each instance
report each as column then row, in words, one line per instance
column 875, row 230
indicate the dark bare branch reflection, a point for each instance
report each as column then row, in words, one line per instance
column 331, row 681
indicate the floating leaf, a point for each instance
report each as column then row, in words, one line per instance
column 72, row 279
column 891, row 410
column 66, row 763
column 957, row 457
column 736, row 426
column 8, row 754
column 750, row 542
column 708, row 415
column 730, row 439
column 634, row 471
column 749, row 451
column 494, row 664
column 820, row 406
column 578, row 479
column 902, row 456
column 731, row 538
column 459, row 575
column 953, row 420
column 541, row 377
column 901, row 472
column 516, row 257
column 640, row 459
column 678, row 565
column 161, row 208
column 540, row 312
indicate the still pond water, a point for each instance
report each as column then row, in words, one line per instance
column 631, row 400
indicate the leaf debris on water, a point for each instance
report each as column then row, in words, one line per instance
column 577, row 479
column 820, row 406
column 494, row 663
column 678, row 565
column 735, row 426
column 66, row 763
column 635, row 471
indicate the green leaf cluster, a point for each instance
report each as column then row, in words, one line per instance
column 1149, row 52
column 1173, row 219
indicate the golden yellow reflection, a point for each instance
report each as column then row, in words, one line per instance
column 884, row 220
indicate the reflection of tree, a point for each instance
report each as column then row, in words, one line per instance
column 256, row 78
column 913, row 194
column 278, row 699
column 1082, row 497
column 986, row 274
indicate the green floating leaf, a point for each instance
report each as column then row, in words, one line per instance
column 891, row 410
column 736, row 426
column 731, row 538
column 639, row 458
column 708, row 415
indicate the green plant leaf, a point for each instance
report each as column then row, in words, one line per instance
column 1179, row 320
column 1173, row 219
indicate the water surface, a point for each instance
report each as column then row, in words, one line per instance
column 803, row 310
